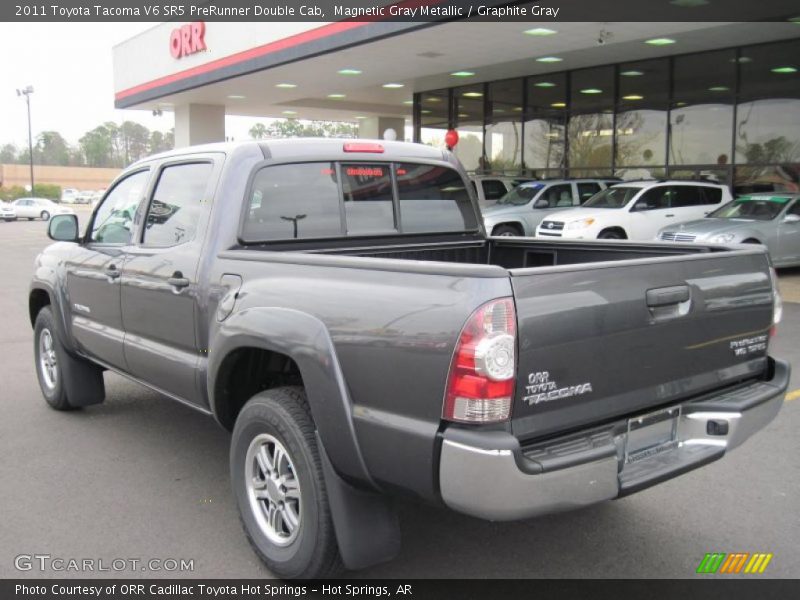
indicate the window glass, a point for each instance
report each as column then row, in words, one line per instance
column 522, row 194
column 768, row 118
column 710, row 195
column 590, row 130
column 367, row 197
column 294, row 201
column 433, row 199
column 685, row 195
column 701, row 124
column 794, row 209
column 657, row 198
column 114, row 220
column 177, row 206
column 503, row 137
column 613, row 197
column 493, row 189
column 558, row 196
column 586, row 190
column 642, row 113
column 469, row 122
column 758, row 208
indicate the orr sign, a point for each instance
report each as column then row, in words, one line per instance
column 187, row 39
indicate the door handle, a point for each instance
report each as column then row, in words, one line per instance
column 667, row 296
column 669, row 215
column 112, row 272
column 178, row 281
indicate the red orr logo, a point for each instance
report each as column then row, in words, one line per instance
column 187, row 39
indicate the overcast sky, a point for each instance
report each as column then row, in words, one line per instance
column 69, row 66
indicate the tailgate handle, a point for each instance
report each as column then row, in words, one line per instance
column 667, row 296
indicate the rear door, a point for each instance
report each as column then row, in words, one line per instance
column 159, row 282
column 608, row 339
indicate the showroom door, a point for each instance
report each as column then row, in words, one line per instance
column 159, row 283
column 93, row 273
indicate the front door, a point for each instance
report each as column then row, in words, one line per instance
column 159, row 282
column 93, row 273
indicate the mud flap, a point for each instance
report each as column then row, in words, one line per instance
column 366, row 524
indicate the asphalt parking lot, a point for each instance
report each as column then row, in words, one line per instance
column 143, row 477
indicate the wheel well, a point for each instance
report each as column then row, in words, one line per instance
column 36, row 302
column 515, row 226
column 245, row 372
column 618, row 230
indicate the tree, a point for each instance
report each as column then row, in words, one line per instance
column 97, row 147
column 51, row 149
column 135, row 140
column 8, row 154
column 284, row 128
column 258, row 131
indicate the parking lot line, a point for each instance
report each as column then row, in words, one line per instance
column 794, row 395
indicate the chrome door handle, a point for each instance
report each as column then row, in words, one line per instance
column 669, row 215
column 178, row 281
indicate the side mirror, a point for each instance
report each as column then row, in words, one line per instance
column 542, row 203
column 791, row 219
column 63, row 228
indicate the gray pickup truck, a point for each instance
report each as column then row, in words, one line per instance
column 337, row 305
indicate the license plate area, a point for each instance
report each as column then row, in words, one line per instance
column 652, row 434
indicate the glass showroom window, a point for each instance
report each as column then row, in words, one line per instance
column 701, row 120
column 545, row 124
column 469, row 121
column 641, row 124
column 768, row 118
column 590, row 130
column 434, row 117
column 503, row 137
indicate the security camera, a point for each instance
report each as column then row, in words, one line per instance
column 603, row 37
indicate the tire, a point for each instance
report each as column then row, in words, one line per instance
column 270, row 422
column 49, row 357
column 9, row 220
column 610, row 234
column 30, row 218
column 45, row 215
column 506, row 231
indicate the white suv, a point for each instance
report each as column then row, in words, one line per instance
column 635, row 210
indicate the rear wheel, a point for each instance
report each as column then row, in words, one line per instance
column 278, row 482
column 506, row 231
column 611, row 234
column 45, row 215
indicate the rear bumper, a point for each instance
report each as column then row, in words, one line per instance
column 488, row 474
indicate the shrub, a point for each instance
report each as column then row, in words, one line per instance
column 40, row 190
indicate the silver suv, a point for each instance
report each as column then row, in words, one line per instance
column 521, row 210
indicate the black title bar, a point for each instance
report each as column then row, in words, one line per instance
column 401, row 10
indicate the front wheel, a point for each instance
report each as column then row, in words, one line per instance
column 506, row 231
column 280, row 491
column 611, row 234
column 48, row 356
column 45, row 215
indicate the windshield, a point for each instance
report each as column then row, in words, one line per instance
column 613, row 197
column 521, row 195
column 756, row 208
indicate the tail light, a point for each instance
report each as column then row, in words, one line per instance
column 370, row 147
column 480, row 385
column 777, row 302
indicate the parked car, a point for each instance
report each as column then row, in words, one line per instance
column 521, row 210
column 39, row 208
column 769, row 219
column 337, row 305
column 635, row 210
column 69, row 195
column 490, row 188
column 7, row 212
column 84, row 197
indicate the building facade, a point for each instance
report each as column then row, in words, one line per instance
column 731, row 115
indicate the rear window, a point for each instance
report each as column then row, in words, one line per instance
column 294, row 201
column 306, row 201
column 433, row 199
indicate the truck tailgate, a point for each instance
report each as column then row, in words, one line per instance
column 608, row 339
